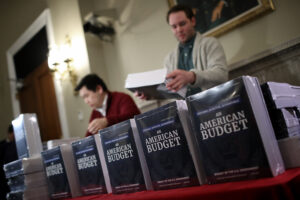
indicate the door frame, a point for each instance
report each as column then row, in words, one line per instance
column 44, row 20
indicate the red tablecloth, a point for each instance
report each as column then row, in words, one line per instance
column 285, row 186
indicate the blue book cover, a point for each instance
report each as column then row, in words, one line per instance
column 234, row 132
column 88, row 166
column 121, row 158
column 13, row 168
column 57, row 180
column 165, row 147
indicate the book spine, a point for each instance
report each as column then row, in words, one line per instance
column 103, row 163
column 141, row 155
column 68, row 158
column 264, row 125
column 191, row 140
column 33, row 137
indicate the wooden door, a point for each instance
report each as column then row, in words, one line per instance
column 38, row 96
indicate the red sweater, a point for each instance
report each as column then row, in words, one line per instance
column 120, row 107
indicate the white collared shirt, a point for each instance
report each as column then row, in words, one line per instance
column 102, row 109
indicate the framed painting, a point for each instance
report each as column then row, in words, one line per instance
column 215, row 17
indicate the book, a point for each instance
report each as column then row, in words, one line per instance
column 24, row 166
column 234, row 132
column 88, row 165
column 36, row 179
column 282, row 100
column 57, row 142
column 25, row 174
column 13, row 168
column 16, row 183
column 153, row 85
column 27, row 135
column 164, row 142
column 15, row 195
column 119, row 157
column 61, row 175
column 36, row 193
column 281, row 95
column 290, row 150
column 285, row 121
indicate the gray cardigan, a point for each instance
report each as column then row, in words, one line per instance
column 209, row 61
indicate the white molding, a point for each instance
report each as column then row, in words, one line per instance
column 43, row 20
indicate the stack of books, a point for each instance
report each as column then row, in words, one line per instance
column 61, row 174
column 219, row 135
column 234, row 132
column 26, row 174
column 25, row 177
column 283, row 102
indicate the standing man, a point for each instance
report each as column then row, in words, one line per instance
column 108, row 107
column 198, row 62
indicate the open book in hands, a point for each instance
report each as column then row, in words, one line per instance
column 153, row 85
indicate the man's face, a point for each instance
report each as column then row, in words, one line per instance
column 11, row 136
column 91, row 98
column 182, row 27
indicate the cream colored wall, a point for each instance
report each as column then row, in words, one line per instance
column 94, row 45
column 66, row 20
column 143, row 39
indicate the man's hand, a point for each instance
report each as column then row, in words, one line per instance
column 97, row 124
column 217, row 12
column 141, row 95
column 179, row 78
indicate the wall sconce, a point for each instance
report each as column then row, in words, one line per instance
column 60, row 60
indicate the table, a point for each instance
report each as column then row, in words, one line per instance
column 285, row 186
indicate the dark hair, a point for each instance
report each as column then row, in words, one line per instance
column 91, row 81
column 179, row 7
column 10, row 128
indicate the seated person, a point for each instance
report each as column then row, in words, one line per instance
column 108, row 107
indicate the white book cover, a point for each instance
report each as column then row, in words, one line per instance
column 152, row 84
column 191, row 139
column 54, row 143
column 27, row 135
column 32, row 164
column 282, row 94
column 35, row 179
column 37, row 193
column 290, row 150
column 103, row 163
column 69, row 162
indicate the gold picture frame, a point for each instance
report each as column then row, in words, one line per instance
column 236, row 18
